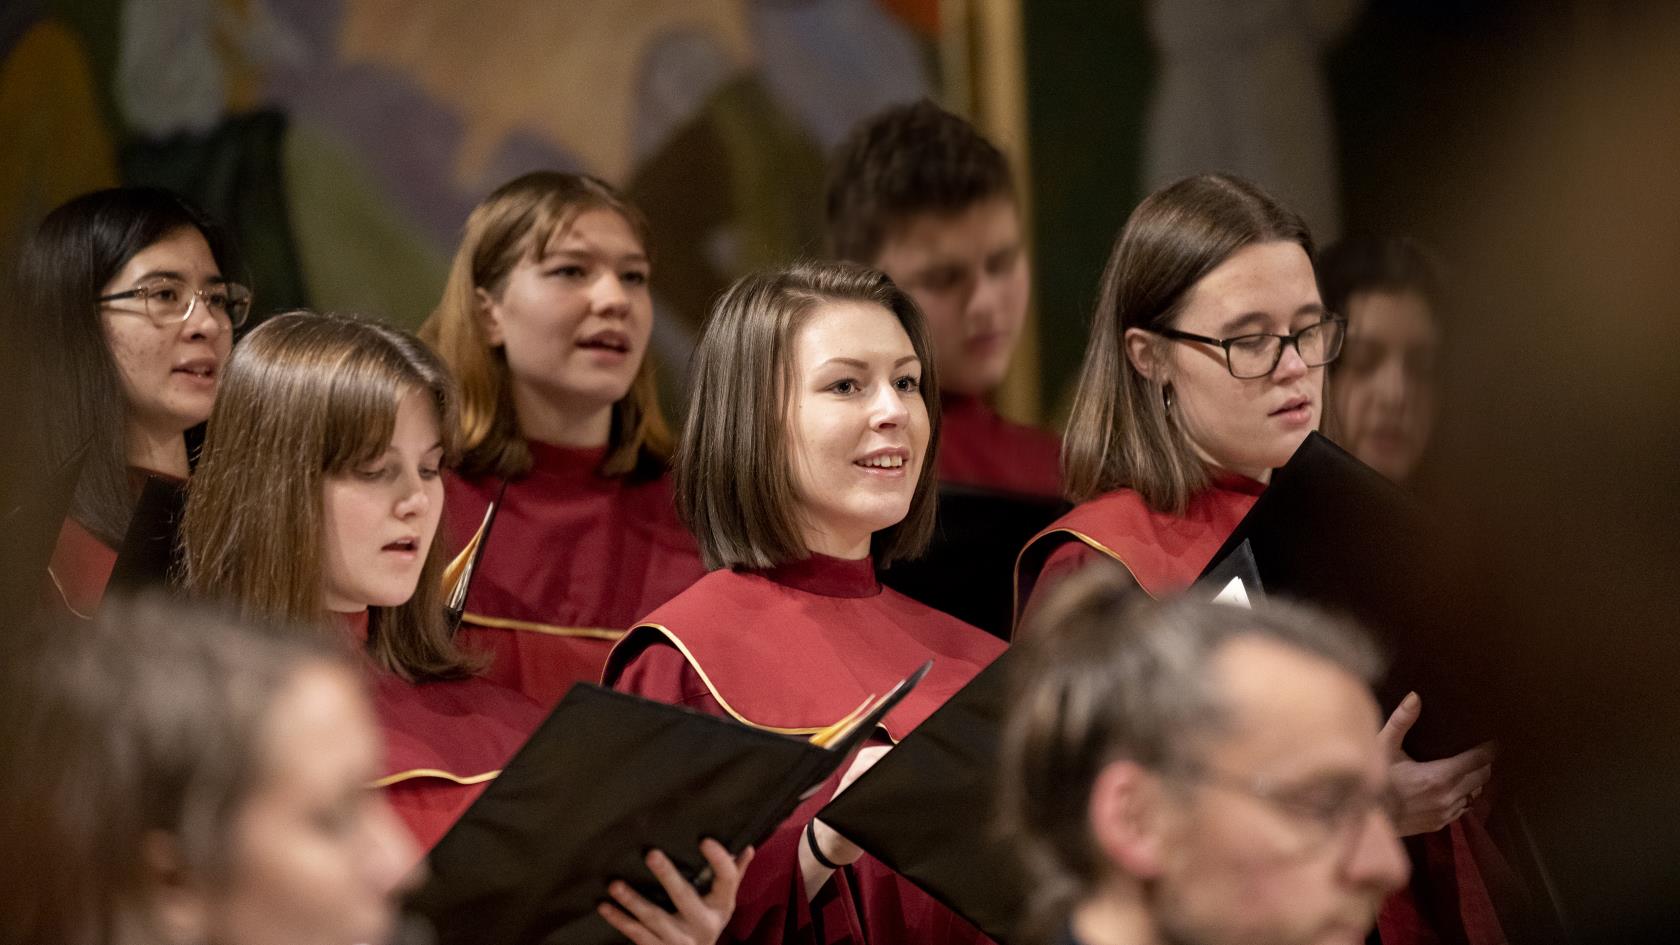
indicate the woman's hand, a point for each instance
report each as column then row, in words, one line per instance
column 699, row 920
column 835, row 848
column 1432, row 794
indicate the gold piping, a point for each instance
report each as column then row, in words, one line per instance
column 63, row 596
column 416, row 773
column 1094, row 544
column 508, row 623
column 707, row 680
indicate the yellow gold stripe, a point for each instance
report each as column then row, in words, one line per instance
column 1090, row 542
column 707, row 680
column 417, row 773
column 507, row 623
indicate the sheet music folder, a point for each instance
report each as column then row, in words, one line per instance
column 1335, row 533
column 605, row 778
column 925, row 810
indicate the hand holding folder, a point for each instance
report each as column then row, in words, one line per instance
column 606, row 778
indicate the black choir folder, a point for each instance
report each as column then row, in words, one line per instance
column 1335, row 533
column 604, row 779
column 925, row 810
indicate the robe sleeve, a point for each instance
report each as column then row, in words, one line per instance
column 770, row 907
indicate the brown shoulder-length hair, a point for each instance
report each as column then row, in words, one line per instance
column 516, row 223
column 305, row 397
column 1120, row 433
column 734, row 471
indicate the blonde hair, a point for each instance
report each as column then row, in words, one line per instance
column 304, row 397
column 734, row 474
column 516, row 223
column 1120, row 433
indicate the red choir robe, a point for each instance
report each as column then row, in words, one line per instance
column 444, row 740
column 81, row 563
column 573, row 559
column 1448, row 901
column 792, row 650
column 979, row 448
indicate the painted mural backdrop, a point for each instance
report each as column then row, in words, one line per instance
column 345, row 141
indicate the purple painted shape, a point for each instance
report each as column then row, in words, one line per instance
column 833, row 63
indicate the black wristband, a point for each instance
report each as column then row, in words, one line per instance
column 816, row 851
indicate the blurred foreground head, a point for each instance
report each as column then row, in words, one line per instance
column 175, row 776
column 1197, row 773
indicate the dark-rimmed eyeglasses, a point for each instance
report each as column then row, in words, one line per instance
column 171, row 301
column 1257, row 355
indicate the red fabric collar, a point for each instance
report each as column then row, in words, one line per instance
column 1163, row 551
column 828, row 576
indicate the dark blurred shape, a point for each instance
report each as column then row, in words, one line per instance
column 968, row 571
column 151, row 550
column 1561, row 459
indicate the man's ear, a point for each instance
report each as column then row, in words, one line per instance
column 489, row 315
column 1129, row 817
column 1147, row 354
column 178, row 898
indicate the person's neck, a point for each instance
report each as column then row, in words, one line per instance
column 847, row 547
column 1113, row 918
column 162, row 451
column 546, row 420
column 1216, row 470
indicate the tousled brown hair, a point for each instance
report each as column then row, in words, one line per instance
column 902, row 162
column 1120, row 433
column 305, row 397
column 149, row 719
column 734, row 472
column 517, row 222
column 1105, row 674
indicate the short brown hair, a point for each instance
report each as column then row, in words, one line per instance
column 1107, row 674
column 905, row 161
column 734, row 474
column 1119, row 433
column 306, row 396
column 514, row 223
column 147, row 719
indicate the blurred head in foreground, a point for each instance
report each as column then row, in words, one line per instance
column 1188, row 772
column 177, row 776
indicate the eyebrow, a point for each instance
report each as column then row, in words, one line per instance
column 864, row 365
column 1248, row 319
column 579, row 252
column 217, row 279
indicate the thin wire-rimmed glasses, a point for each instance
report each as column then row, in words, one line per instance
column 171, row 301
column 1327, row 811
column 1257, row 355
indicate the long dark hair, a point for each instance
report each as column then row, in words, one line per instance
column 64, row 266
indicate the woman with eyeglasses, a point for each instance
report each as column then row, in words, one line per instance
column 1205, row 372
column 130, row 296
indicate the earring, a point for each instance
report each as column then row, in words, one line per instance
column 1166, row 397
